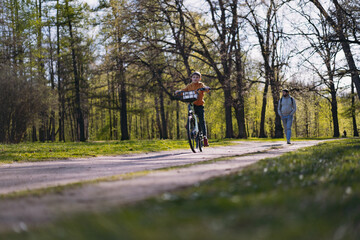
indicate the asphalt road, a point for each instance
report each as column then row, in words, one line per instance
column 34, row 175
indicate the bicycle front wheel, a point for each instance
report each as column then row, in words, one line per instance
column 191, row 136
column 200, row 141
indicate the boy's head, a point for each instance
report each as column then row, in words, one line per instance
column 195, row 77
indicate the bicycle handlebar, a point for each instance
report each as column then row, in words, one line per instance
column 199, row 89
column 203, row 89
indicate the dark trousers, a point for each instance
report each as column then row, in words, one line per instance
column 199, row 111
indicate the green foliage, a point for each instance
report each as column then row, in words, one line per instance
column 214, row 114
column 148, row 49
column 309, row 194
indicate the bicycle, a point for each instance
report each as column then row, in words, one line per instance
column 194, row 134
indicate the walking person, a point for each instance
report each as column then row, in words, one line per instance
column 286, row 110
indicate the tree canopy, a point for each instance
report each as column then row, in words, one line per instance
column 74, row 72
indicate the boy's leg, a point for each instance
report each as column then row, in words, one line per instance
column 199, row 111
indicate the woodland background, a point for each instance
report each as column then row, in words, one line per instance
column 71, row 72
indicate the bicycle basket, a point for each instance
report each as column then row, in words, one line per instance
column 190, row 96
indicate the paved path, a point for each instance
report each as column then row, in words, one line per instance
column 23, row 176
column 17, row 213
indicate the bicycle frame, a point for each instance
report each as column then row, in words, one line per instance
column 192, row 113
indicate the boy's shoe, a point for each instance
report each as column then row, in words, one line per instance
column 206, row 143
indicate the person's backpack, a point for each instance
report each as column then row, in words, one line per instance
column 292, row 102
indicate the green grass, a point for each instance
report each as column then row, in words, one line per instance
column 310, row 194
column 27, row 152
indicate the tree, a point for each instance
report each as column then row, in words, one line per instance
column 338, row 25
column 223, row 55
column 77, row 77
column 268, row 35
column 119, row 37
column 319, row 38
column 60, row 78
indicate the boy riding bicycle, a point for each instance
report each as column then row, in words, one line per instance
column 199, row 103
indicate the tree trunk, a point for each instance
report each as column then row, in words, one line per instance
column 229, row 132
column 240, row 106
column 115, row 116
column 334, row 111
column 123, row 112
column 177, row 120
column 275, row 91
column 263, row 110
column 73, row 127
column 296, row 126
column 240, row 117
column 41, row 71
column 353, row 111
column 110, row 105
column 34, row 135
column 158, row 123
column 306, row 119
column 110, row 125
column 51, row 133
column 52, row 127
column 77, row 79
column 61, row 103
column 121, row 80
column 317, row 117
column 163, row 116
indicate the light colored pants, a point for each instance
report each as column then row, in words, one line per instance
column 287, row 122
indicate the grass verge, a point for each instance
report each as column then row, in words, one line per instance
column 30, row 152
column 310, row 194
column 27, row 152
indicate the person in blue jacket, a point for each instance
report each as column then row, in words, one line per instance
column 286, row 110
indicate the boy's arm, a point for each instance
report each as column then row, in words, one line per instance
column 207, row 88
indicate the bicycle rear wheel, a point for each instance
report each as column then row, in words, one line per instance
column 191, row 137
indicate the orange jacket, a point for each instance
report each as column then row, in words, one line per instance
column 194, row 86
